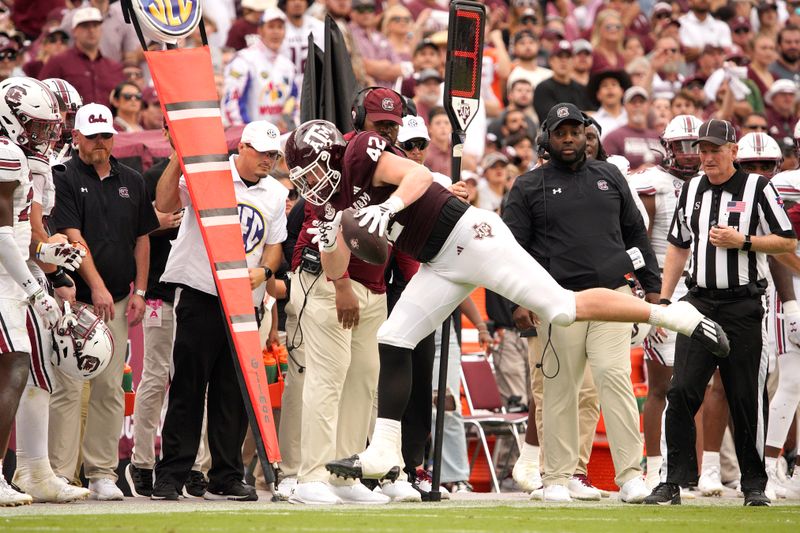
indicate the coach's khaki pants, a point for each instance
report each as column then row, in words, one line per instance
column 606, row 347
column 100, row 444
column 292, row 401
column 588, row 406
column 511, row 366
column 341, row 376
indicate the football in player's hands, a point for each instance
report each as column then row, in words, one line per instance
column 363, row 244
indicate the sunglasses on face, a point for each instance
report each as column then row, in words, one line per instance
column 419, row 144
column 741, row 31
column 613, row 27
column 270, row 155
column 528, row 20
column 364, row 9
column 134, row 74
column 104, row 136
column 131, row 96
column 57, row 39
column 400, row 19
column 8, row 55
column 663, row 15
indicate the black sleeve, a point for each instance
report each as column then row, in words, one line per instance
column 294, row 224
column 543, row 99
column 148, row 221
column 634, row 233
column 517, row 211
column 66, row 213
column 151, row 177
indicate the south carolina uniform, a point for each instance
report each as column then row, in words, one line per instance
column 13, row 302
column 665, row 188
column 44, row 194
column 259, row 85
column 295, row 43
column 460, row 247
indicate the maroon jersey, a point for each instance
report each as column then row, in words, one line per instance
column 411, row 227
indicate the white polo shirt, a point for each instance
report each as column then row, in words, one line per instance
column 695, row 33
column 262, row 214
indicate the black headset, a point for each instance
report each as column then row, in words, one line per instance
column 359, row 113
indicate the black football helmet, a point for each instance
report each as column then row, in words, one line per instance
column 314, row 153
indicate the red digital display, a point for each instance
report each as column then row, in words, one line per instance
column 465, row 53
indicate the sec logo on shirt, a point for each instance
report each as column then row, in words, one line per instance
column 253, row 226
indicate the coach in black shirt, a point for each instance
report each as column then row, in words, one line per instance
column 103, row 205
column 728, row 221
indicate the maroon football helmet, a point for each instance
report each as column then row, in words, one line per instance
column 314, row 153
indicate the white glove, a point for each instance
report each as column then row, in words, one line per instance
column 61, row 254
column 636, row 258
column 325, row 233
column 378, row 216
column 46, row 307
column 791, row 319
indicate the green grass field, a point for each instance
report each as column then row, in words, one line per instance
column 516, row 518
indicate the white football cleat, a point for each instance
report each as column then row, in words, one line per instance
column 10, row 497
column 710, row 483
column 400, row 491
column 286, row 487
column 36, row 478
column 526, row 475
column 580, row 489
column 556, row 494
column 314, row 493
column 792, row 486
column 359, row 494
column 774, row 488
column 634, row 491
column 104, row 489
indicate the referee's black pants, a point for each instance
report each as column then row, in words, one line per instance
column 744, row 375
column 201, row 357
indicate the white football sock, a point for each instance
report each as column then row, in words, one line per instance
column 771, row 463
column 32, row 418
column 654, row 465
column 387, row 433
column 710, row 459
column 682, row 317
column 529, row 453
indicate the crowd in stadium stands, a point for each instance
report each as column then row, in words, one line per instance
column 630, row 65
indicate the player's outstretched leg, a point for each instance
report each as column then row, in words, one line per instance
column 683, row 317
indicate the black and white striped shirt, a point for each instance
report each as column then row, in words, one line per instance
column 746, row 202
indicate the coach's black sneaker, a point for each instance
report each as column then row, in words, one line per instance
column 233, row 491
column 196, row 485
column 756, row 498
column 664, row 494
column 352, row 468
column 140, row 480
column 712, row 337
column 164, row 491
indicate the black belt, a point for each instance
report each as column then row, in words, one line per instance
column 756, row 288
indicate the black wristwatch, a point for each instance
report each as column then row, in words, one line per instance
column 747, row 243
column 267, row 273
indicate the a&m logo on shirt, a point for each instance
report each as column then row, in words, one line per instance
column 253, row 226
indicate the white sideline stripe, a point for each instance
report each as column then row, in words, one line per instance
column 184, row 114
column 245, row 326
column 233, row 273
column 214, row 166
column 220, row 220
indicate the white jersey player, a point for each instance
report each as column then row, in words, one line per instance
column 260, row 82
column 298, row 27
column 659, row 188
column 783, row 324
column 29, row 124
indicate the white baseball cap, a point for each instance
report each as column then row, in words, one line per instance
column 263, row 136
column 94, row 118
column 778, row 87
column 259, row 5
column 86, row 14
column 273, row 13
column 413, row 128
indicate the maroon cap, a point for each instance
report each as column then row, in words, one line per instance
column 740, row 22
column 384, row 104
column 563, row 47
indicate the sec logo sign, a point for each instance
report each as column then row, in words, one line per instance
column 167, row 20
column 253, row 227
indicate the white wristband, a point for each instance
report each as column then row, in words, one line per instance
column 395, row 203
column 791, row 307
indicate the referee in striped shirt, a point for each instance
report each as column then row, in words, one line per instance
column 728, row 221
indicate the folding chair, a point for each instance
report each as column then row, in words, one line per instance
column 487, row 412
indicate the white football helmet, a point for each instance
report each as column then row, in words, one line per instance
column 682, row 158
column 29, row 114
column 797, row 136
column 69, row 95
column 83, row 343
column 760, row 154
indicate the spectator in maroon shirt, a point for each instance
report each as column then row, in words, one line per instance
column 92, row 75
column 781, row 100
column 438, row 158
column 741, row 32
column 9, row 55
column 247, row 24
column 55, row 42
column 639, row 144
column 763, row 55
column 381, row 61
column 607, row 36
